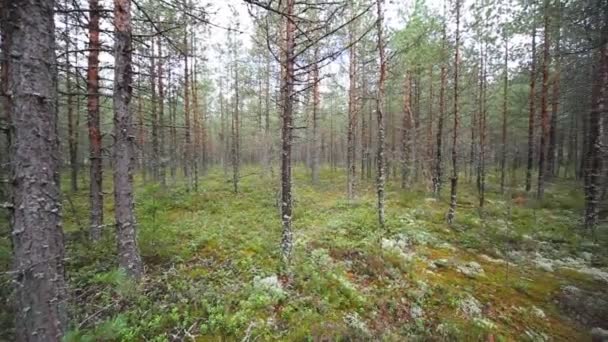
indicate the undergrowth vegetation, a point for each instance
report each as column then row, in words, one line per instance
column 212, row 259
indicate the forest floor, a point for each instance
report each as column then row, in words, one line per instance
column 520, row 272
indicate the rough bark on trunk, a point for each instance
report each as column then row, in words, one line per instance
column 72, row 117
column 593, row 158
column 235, row 147
column 406, row 138
column 552, row 149
column 161, row 118
column 287, row 90
column 454, row 180
column 544, row 114
column 37, row 237
column 437, row 181
column 352, row 115
column 380, row 105
column 196, row 122
column 155, row 124
column 532, row 112
column 93, row 123
column 124, row 149
column 4, row 100
column 505, row 106
column 316, row 101
column 482, row 130
column 188, row 148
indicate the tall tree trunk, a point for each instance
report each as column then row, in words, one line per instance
column 380, row 106
column 473, row 166
column 4, row 99
column 141, row 132
column 483, row 114
column 124, row 154
column 551, row 152
column 352, row 113
column 505, row 106
column 161, row 117
column 429, row 132
column 594, row 159
column 406, row 137
column 532, row 113
column 93, row 123
column 72, row 127
column 37, row 237
column 188, row 148
column 287, row 90
column 438, row 157
column 235, row 148
column 196, row 122
column 267, row 137
column 454, row 180
column 155, row 124
column 544, row 114
column 316, row 101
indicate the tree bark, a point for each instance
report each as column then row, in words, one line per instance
column 352, row 114
column 438, row 157
column 155, row 123
column 380, row 105
column 544, row 114
column 235, row 147
column 593, row 158
column 93, row 123
column 161, row 117
column 505, row 106
column 37, row 237
column 454, row 180
column 316, row 102
column 532, row 113
column 72, row 119
column 124, row 154
column 551, row 152
column 287, row 134
column 406, row 138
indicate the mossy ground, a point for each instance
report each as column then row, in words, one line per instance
column 202, row 251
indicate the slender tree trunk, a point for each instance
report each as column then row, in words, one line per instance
column 454, row 180
column 196, row 114
column 364, row 129
column 532, row 112
column 544, row 114
column 473, row 166
column 37, row 238
column 431, row 118
column 505, row 106
column 267, row 137
column 352, row 115
column 380, row 105
column 438, row 157
column 161, row 117
column 93, row 123
column 551, row 152
column 235, row 151
column 315, row 120
column 188, row 135
column 72, row 127
column 287, row 134
column 155, row 122
column 124, row 154
column 406, row 138
column 483, row 114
